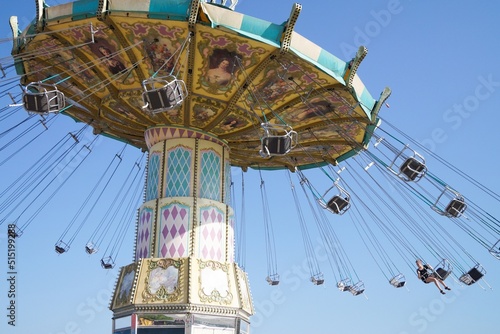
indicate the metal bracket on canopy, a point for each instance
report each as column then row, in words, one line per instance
column 162, row 94
column 338, row 203
column 398, row 281
column 286, row 37
column 277, row 140
column 353, row 65
column 273, row 279
column 41, row 98
column 455, row 207
column 61, row 247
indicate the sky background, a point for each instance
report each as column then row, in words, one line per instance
column 435, row 56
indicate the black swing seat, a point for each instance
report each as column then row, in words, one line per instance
column 41, row 98
column 90, row 248
column 338, row 204
column 398, row 281
column 162, row 94
column 456, row 207
column 107, row 263
column 441, row 273
column 344, row 285
column 413, row 169
column 357, row 288
column 61, row 247
column 317, row 279
column 276, row 145
column 273, row 280
column 472, row 276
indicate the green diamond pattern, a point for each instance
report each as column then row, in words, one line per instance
column 210, row 175
column 153, row 174
column 178, row 172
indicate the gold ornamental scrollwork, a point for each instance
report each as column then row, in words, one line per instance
column 162, row 281
column 213, row 287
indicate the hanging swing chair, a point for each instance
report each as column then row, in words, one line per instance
column 443, row 269
column 273, row 279
column 398, row 281
column 344, row 284
column 14, row 232
column 455, row 207
column 357, row 288
column 277, row 140
column 317, row 279
column 473, row 275
column 495, row 250
column 90, row 248
column 41, row 98
column 163, row 94
column 107, row 262
column 411, row 165
column 61, row 247
column 338, row 203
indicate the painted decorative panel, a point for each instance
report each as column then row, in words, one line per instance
column 227, row 186
column 153, row 176
column 210, row 175
column 178, row 172
column 211, row 234
column 173, row 232
column 143, row 248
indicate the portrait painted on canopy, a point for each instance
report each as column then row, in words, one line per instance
column 319, row 108
column 221, row 67
column 107, row 54
column 158, row 52
column 231, row 123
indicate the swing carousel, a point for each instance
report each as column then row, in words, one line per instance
column 202, row 88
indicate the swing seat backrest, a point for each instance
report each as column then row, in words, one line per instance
column 276, row 145
column 43, row 102
column 475, row 274
column 337, row 204
column 455, row 208
column 412, row 169
column 441, row 273
column 60, row 250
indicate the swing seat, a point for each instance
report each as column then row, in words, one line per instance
column 273, row 279
column 357, row 288
column 14, row 232
column 495, row 250
column 413, row 169
column 441, row 273
column 317, row 280
column 473, row 275
column 338, row 204
column 90, row 248
column 275, row 145
column 398, row 281
column 40, row 98
column 344, row 285
column 163, row 94
column 107, row 263
column 455, row 208
column 61, row 247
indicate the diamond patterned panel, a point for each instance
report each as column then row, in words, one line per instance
column 174, row 231
column 178, row 172
column 212, row 234
column 210, row 175
column 153, row 176
column 144, row 233
column 230, row 239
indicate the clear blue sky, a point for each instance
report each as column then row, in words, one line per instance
column 437, row 57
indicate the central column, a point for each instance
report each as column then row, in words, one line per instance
column 184, row 276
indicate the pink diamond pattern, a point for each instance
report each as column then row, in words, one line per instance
column 174, row 225
column 212, row 234
column 230, row 240
column 144, row 233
